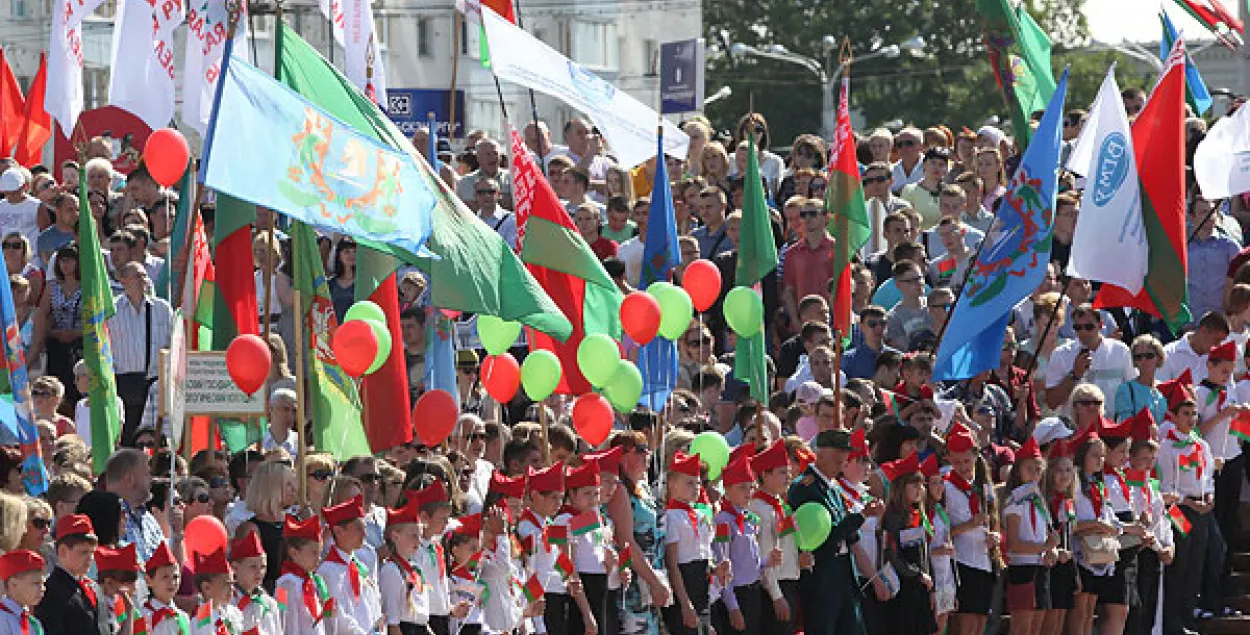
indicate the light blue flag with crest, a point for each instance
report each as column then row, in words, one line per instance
column 17, row 417
column 285, row 153
column 1013, row 261
column 657, row 361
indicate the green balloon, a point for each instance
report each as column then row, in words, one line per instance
column 744, row 311
column 624, row 389
column 812, row 524
column 540, row 374
column 712, row 450
column 384, row 344
column 365, row 310
column 598, row 358
column 497, row 335
column 675, row 310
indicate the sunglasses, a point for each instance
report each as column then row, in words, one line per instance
column 485, row 192
column 1141, row 356
column 1084, row 327
column 468, row 370
column 369, row 479
column 907, row 280
column 872, row 324
column 321, row 475
column 40, row 524
column 906, row 143
column 810, row 213
column 1087, row 402
column 943, row 307
column 476, row 436
column 218, row 483
column 869, row 180
column 14, row 245
column 817, row 185
column 696, row 342
column 40, row 393
column 202, row 498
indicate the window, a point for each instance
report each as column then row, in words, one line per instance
column 596, row 45
column 423, row 38
column 650, row 58
column 19, row 8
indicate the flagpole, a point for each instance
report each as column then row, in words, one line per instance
column 844, row 231
column 542, row 160
column 1037, row 348
column 458, row 23
column 301, row 421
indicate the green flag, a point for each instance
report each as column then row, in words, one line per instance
column 757, row 257
column 475, row 271
column 848, row 214
column 97, row 308
column 335, row 405
column 169, row 282
column 1020, row 56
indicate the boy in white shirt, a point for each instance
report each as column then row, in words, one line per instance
column 356, row 597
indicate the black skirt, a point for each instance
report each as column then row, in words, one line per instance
column 1028, row 587
column 1063, row 586
column 976, row 590
column 909, row 612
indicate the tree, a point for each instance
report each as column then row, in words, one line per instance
column 951, row 84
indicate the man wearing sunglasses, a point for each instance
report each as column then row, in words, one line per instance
column 1090, row 358
column 809, row 262
column 909, row 169
column 877, row 179
column 486, row 196
column 861, row 362
column 18, row 210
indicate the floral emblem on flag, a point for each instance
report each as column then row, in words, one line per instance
column 342, row 178
column 1017, row 240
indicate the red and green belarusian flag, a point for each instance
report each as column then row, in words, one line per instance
column 626, row 558
column 1191, row 459
column 1159, row 142
column 848, row 214
column 757, row 257
column 1240, row 427
column 786, row 526
column 1179, row 520
column 280, row 594
column 504, row 9
column 556, row 535
column 97, row 308
column 564, row 566
column 337, row 426
column 139, row 626
column 203, row 615
column 1136, row 478
column 559, row 258
column 722, row 533
column 584, row 523
column 533, row 589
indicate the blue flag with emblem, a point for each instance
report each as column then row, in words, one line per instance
column 287, row 154
column 18, row 417
column 440, row 353
column 1014, row 259
column 657, row 361
column 1196, row 92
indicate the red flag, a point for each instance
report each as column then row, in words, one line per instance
column 502, row 7
column 1179, row 520
column 1159, row 141
column 36, row 122
column 385, row 392
column 12, row 107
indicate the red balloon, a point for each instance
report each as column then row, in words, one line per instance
column 355, row 347
column 203, row 535
column 166, row 155
column 501, row 375
column 702, row 281
column 248, row 361
column 592, row 418
column 640, row 316
column 435, row 416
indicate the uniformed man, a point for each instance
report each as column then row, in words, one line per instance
column 827, row 590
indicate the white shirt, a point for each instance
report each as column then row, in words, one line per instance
column 903, row 178
column 1179, row 355
column 503, row 608
column 1033, row 525
column 402, row 602
column 504, row 223
column 82, row 418
column 1111, row 364
column 693, row 543
column 542, row 559
column 296, row 619
column 1223, row 445
column 21, row 217
column 769, row 539
column 227, row 613
column 1085, row 512
column 11, row 618
column 970, row 546
column 352, row 614
column 168, row 625
column 429, row 559
column 261, row 613
column 128, row 328
column 290, row 443
column 630, row 253
column 1149, row 502
column 588, row 550
column 1194, row 482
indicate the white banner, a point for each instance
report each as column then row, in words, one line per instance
column 356, row 32
column 208, row 25
column 64, row 100
column 1109, row 244
column 143, row 59
column 1222, row 161
column 627, row 124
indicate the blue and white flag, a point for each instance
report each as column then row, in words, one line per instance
column 20, row 424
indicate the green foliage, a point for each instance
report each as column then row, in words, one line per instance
column 951, row 84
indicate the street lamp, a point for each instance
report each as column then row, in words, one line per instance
column 827, row 73
column 724, row 92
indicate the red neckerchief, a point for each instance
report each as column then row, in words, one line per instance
column 463, row 572
column 162, row 614
column 532, row 518
column 24, row 617
column 739, row 518
column 1096, row 495
column 925, row 392
column 411, row 575
column 691, row 516
column 353, row 572
column 849, row 490
column 309, row 589
column 1061, row 507
column 962, row 484
column 772, row 501
column 85, row 584
column 703, row 496
column 1118, row 475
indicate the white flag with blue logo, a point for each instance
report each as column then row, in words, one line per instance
column 1109, row 244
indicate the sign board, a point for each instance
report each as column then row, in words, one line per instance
column 207, row 388
column 681, row 76
column 409, row 108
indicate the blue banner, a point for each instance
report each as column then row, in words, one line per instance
column 21, row 423
column 410, row 108
column 269, row 146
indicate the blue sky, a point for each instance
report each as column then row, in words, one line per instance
column 1137, row 20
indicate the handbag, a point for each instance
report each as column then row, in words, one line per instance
column 1099, row 549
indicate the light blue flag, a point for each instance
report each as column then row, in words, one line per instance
column 20, row 425
column 657, row 361
column 284, row 153
column 1014, row 259
column 440, row 353
column 1196, row 92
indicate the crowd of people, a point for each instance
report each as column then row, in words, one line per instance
column 1094, row 476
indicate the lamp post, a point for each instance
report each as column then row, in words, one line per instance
column 828, row 74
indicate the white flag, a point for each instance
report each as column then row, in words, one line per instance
column 1109, row 244
column 143, row 59
column 64, row 100
column 1222, row 161
column 208, row 26
column 356, row 32
column 627, row 124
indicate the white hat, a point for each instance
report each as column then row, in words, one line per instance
column 810, row 392
column 12, row 180
column 1051, row 429
column 992, row 133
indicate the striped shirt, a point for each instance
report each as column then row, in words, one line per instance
column 128, row 328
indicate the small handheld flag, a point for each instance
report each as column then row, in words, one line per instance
column 786, row 526
column 564, row 566
column 626, row 558
column 585, row 523
column 1179, row 520
column 1136, row 478
column 140, row 626
column 1240, row 427
column 203, row 615
column 722, row 532
column 280, row 595
column 533, row 589
column 556, row 535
